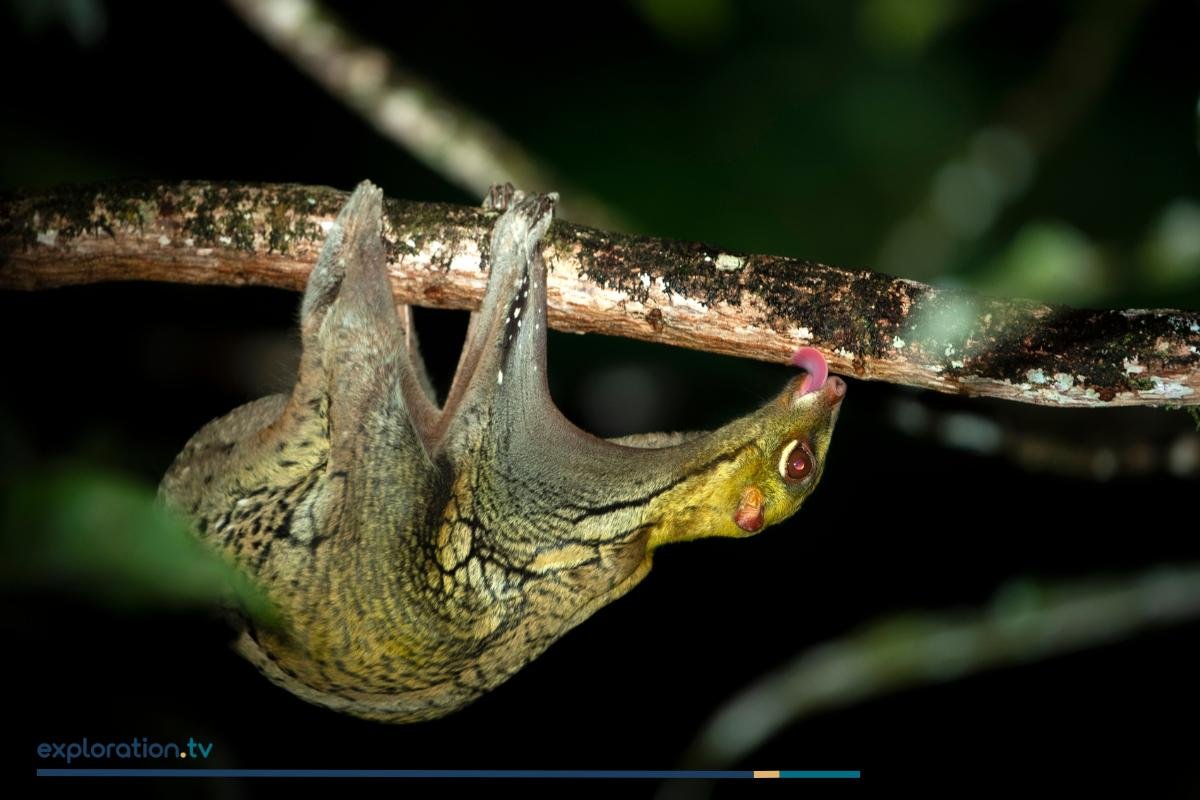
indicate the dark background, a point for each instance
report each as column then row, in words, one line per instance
column 817, row 130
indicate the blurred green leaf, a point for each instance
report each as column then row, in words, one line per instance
column 905, row 26
column 688, row 22
column 85, row 20
column 1049, row 261
column 1171, row 254
column 108, row 538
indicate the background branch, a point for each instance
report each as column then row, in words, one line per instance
column 1025, row 623
column 449, row 138
column 870, row 325
column 1093, row 447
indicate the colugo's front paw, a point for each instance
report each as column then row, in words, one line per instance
column 501, row 196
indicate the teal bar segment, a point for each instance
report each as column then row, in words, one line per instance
column 670, row 774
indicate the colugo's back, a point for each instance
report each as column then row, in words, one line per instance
column 417, row 555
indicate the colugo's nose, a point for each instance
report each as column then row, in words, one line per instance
column 834, row 389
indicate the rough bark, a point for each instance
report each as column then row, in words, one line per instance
column 869, row 325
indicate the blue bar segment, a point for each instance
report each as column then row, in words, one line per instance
column 666, row 774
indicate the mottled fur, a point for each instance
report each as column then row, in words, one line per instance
column 420, row 556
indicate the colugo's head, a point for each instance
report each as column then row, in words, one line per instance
column 758, row 470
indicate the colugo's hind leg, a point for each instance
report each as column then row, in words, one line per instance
column 320, row 294
column 282, row 445
column 357, row 368
column 516, row 286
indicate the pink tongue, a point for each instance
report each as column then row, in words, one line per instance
column 811, row 361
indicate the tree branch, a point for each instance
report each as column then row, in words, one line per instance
column 693, row 295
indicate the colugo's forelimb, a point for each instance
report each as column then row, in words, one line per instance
column 420, row 555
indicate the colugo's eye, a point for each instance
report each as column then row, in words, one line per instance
column 796, row 462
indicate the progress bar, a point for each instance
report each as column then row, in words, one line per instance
column 591, row 774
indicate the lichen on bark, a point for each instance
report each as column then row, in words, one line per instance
column 690, row 294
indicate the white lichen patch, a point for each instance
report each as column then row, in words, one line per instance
column 728, row 263
column 898, row 343
column 163, row 241
column 1061, row 389
column 801, row 333
column 49, row 237
column 500, row 378
column 956, row 364
column 225, row 240
column 844, row 353
column 1132, row 367
column 688, row 302
column 645, row 279
column 465, row 261
column 1167, row 390
column 1052, row 395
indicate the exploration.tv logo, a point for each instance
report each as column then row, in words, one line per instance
column 132, row 749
